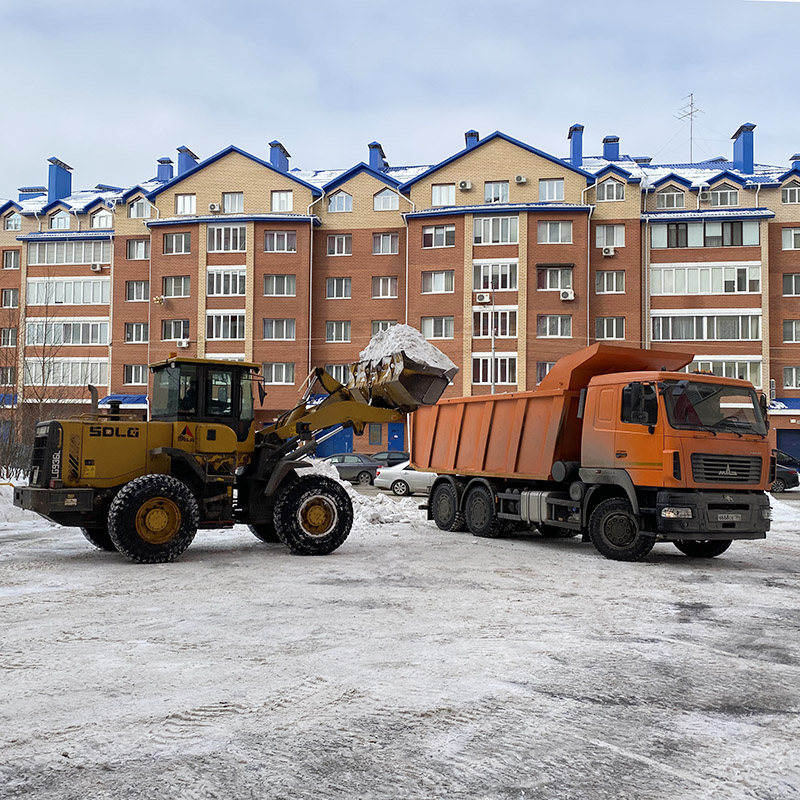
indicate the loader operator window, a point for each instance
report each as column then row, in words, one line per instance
column 640, row 404
column 218, row 400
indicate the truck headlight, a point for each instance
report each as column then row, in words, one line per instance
column 766, row 513
column 675, row 512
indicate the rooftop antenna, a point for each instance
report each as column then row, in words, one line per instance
column 689, row 110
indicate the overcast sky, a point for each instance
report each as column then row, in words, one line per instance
column 111, row 85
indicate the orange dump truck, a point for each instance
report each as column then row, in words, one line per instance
column 614, row 444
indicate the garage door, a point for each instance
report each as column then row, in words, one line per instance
column 789, row 442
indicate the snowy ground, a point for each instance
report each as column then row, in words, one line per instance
column 411, row 663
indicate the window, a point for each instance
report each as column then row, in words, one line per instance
column 8, row 337
column 379, row 325
column 279, row 329
column 790, row 238
column 102, row 219
column 437, row 327
column 542, row 368
column 495, row 230
column 137, row 291
column 743, row 370
column 340, row 244
column 176, row 286
column 233, row 202
column 553, row 278
column 227, row 238
column 139, row 209
column 278, row 373
column 610, row 190
column 438, row 282
column 496, row 275
column 281, row 201
column 68, row 291
column 791, row 284
column 375, row 433
column 609, row 281
column 11, row 259
column 385, row 244
column 12, row 222
column 505, row 369
column 138, row 249
column 67, row 372
column 439, row 236
column 688, row 327
column 712, row 233
column 500, row 322
column 443, row 194
column 185, row 204
column 136, row 332
column 384, row 287
column 177, row 243
column 59, row 221
column 337, row 331
column 226, row 281
column 280, row 285
column 791, row 330
column 670, row 198
column 791, row 377
column 678, row 235
column 609, row 328
column 555, row 232
column 337, row 288
column 340, row 201
column 280, row 242
column 554, row 326
column 135, row 375
column 551, row 190
column 711, row 279
column 610, row 236
column 495, row 191
column 339, row 372
column 791, row 193
column 10, row 298
column 8, row 376
column 387, row 200
column 225, row 325
column 723, row 234
column 71, row 331
column 724, row 195
column 174, row 329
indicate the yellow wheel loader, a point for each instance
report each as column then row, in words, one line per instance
column 144, row 488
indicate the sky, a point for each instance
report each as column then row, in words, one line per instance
column 109, row 86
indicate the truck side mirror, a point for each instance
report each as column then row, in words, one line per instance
column 262, row 393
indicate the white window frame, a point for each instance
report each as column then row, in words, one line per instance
column 502, row 318
column 495, row 230
column 700, row 278
column 790, row 194
column 443, row 194
column 68, row 291
column 12, row 222
column 278, row 373
column 338, row 288
column 609, row 281
column 728, row 367
column 89, row 331
column 438, row 281
column 791, row 377
column 724, row 196
column 11, row 259
column 66, row 372
column 277, row 329
column 56, row 253
column 174, row 329
column 226, row 326
column 385, row 200
column 610, row 190
column 59, row 221
column 554, row 231
column 385, row 244
column 495, row 192
column 384, row 287
column 226, row 281
column 281, row 200
column 140, row 209
column 555, row 278
column 437, row 327
column 379, row 325
column 134, row 375
column 790, row 238
column 555, row 326
column 185, row 204
column 610, row 236
column 438, row 236
column 137, row 291
column 542, row 368
column 137, row 249
column 281, row 241
column 337, row 330
column 339, row 372
column 8, row 376
column 280, row 285
column 340, row 244
column 505, row 369
column 671, row 198
column 227, row 238
column 175, row 239
column 8, row 337
column 185, row 285
column 340, row 202
column 704, row 324
column 500, row 276
column 233, row 202
column 136, row 333
column 609, row 328
column 9, row 298
column 551, row 190
column 792, row 328
column 105, row 215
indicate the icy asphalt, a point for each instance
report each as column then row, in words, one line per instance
column 411, row 663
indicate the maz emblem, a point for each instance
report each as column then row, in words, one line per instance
column 728, row 472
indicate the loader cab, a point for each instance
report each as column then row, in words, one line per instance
column 199, row 390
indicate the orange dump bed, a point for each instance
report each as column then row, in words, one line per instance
column 523, row 434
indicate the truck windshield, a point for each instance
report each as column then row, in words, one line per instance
column 697, row 405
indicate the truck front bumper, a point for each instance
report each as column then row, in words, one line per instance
column 714, row 515
column 63, row 506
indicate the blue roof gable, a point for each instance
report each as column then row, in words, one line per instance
column 498, row 135
column 727, row 175
column 794, row 172
column 9, row 205
column 613, row 169
column 671, row 178
column 315, row 192
column 356, row 170
column 55, row 204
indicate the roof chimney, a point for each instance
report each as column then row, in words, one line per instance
column 611, row 148
column 575, row 139
column 472, row 138
column 377, row 158
column 164, row 169
column 186, row 160
column 29, row 192
column 795, row 159
column 743, row 148
column 59, row 180
column 279, row 156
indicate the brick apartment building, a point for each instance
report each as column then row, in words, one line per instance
column 504, row 256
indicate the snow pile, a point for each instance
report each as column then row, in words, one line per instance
column 10, row 514
column 403, row 337
column 784, row 515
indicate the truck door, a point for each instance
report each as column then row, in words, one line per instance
column 638, row 442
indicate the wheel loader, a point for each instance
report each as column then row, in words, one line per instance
column 143, row 488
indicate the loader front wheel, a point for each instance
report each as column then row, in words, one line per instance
column 444, row 508
column 615, row 532
column 265, row 531
column 100, row 538
column 482, row 519
column 313, row 515
column 153, row 519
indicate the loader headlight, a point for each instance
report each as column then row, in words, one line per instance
column 766, row 513
column 676, row 512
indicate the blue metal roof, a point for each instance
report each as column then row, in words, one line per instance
column 785, row 404
column 77, row 236
column 496, row 208
column 125, row 399
column 8, row 400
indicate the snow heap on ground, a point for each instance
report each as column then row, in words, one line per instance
column 11, row 515
column 410, row 341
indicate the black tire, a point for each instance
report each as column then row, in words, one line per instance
column 615, row 532
column 153, row 519
column 707, row 548
column 313, row 515
column 444, row 507
column 401, row 488
column 480, row 514
column 100, row 538
column 552, row 532
column 778, row 486
column 265, row 531
column 364, row 478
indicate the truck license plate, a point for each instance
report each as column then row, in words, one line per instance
column 729, row 517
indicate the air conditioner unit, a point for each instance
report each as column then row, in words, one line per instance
column 96, row 267
column 483, row 297
column 214, row 207
column 182, row 343
column 520, row 179
column 567, row 294
column 609, row 251
column 465, row 186
column 705, row 195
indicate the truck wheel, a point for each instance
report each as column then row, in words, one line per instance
column 314, row 515
column 265, row 531
column 481, row 517
column 400, row 488
column 153, row 519
column 615, row 532
column 706, row 548
column 444, row 506
column 552, row 532
column 100, row 538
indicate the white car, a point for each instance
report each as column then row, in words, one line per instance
column 403, row 479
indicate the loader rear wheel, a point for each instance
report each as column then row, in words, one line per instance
column 481, row 517
column 314, row 515
column 444, row 507
column 707, row 548
column 100, row 538
column 153, row 519
column 265, row 531
column 615, row 532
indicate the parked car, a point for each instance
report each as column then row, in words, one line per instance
column 786, row 460
column 403, row 479
column 354, row 467
column 390, row 458
column 785, row 478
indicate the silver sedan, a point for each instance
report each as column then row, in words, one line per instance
column 403, row 479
